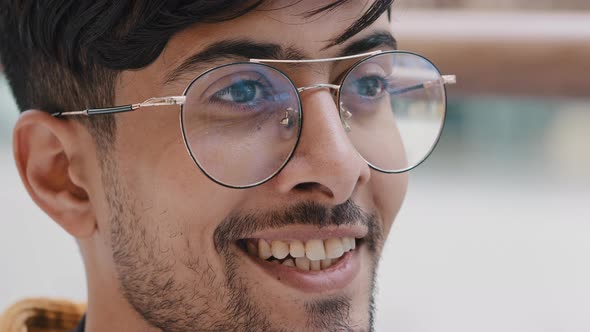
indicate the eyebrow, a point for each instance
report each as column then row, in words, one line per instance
column 244, row 49
column 374, row 40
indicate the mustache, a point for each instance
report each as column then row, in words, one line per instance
column 241, row 225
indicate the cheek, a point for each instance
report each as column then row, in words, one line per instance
column 185, row 204
column 389, row 191
column 159, row 172
column 173, row 199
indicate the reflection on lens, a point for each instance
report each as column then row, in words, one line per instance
column 241, row 123
column 393, row 107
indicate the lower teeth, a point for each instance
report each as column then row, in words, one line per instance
column 304, row 263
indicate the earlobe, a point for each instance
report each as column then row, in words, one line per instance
column 43, row 151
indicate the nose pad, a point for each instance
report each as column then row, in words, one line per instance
column 345, row 115
column 287, row 123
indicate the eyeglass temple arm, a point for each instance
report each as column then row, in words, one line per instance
column 180, row 100
column 446, row 80
column 158, row 101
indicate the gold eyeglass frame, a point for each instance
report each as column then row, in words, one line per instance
column 344, row 115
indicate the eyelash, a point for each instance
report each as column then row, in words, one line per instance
column 260, row 83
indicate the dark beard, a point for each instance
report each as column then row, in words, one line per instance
column 147, row 278
column 331, row 314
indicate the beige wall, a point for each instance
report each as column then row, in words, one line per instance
column 500, row 4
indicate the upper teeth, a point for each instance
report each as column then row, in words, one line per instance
column 279, row 249
column 309, row 254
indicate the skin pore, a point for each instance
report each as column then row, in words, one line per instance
column 159, row 239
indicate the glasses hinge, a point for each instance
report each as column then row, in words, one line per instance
column 449, row 79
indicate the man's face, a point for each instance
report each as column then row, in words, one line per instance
column 185, row 251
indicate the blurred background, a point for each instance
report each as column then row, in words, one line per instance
column 494, row 233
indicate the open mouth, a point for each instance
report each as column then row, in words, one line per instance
column 303, row 255
column 307, row 258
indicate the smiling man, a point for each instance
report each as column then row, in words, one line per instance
column 266, row 208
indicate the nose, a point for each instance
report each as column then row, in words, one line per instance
column 325, row 162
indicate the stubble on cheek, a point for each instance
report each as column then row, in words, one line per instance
column 168, row 281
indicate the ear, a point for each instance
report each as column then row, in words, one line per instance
column 47, row 153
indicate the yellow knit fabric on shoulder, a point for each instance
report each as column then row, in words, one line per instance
column 42, row 315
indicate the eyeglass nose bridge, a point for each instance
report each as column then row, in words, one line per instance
column 319, row 86
column 345, row 115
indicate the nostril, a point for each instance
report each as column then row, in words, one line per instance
column 313, row 186
column 307, row 186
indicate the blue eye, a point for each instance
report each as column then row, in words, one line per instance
column 370, row 86
column 242, row 92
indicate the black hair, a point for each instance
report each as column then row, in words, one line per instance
column 64, row 55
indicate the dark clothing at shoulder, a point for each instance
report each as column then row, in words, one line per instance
column 80, row 327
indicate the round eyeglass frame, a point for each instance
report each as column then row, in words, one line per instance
column 444, row 117
column 299, row 130
column 181, row 100
column 301, row 118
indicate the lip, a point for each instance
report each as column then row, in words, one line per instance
column 336, row 277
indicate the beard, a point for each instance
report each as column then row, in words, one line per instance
column 212, row 300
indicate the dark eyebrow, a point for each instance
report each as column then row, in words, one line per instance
column 245, row 49
column 372, row 41
column 239, row 50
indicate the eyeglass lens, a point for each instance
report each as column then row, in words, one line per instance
column 241, row 122
column 393, row 107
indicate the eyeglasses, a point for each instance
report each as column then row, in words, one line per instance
column 241, row 122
